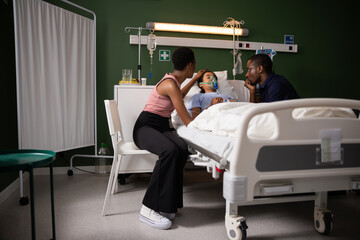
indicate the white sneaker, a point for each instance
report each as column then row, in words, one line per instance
column 170, row 216
column 154, row 219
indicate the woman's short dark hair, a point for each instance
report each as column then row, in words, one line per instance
column 263, row 60
column 182, row 57
column 202, row 77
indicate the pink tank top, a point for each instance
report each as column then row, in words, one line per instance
column 158, row 104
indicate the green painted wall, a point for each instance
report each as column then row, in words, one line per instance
column 325, row 31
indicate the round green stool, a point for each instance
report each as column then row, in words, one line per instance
column 27, row 160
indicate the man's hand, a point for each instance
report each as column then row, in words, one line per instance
column 249, row 86
column 252, row 90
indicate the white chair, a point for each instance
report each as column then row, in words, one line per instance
column 121, row 148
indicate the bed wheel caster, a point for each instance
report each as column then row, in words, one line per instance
column 24, row 201
column 323, row 220
column 236, row 227
column 70, row 172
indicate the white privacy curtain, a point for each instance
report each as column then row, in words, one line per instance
column 55, row 77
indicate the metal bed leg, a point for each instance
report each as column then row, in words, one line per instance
column 231, row 208
column 322, row 216
column 321, row 199
column 235, row 225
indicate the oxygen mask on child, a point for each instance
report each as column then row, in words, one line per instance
column 212, row 83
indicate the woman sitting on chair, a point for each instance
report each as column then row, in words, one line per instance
column 152, row 132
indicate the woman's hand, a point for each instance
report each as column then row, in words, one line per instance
column 188, row 86
column 198, row 75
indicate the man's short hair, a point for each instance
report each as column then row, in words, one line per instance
column 263, row 60
column 182, row 57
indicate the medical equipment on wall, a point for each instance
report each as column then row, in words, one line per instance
column 271, row 53
column 151, row 46
column 127, row 29
column 215, row 43
column 236, row 45
column 234, row 24
column 238, row 65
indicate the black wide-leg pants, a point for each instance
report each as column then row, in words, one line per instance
column 165, row 191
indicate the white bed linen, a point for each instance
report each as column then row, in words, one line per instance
column 218, row 145
column 216, row 128
column 224, row 120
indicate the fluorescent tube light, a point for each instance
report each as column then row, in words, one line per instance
column 174, row 27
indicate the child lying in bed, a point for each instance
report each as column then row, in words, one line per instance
column 208, row 95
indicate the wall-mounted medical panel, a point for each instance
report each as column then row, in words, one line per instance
column 213, row 43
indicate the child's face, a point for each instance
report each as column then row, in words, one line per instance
column 207, row 77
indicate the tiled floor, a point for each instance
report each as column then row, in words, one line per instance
column 79, row 199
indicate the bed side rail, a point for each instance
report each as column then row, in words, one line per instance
column 289, row 130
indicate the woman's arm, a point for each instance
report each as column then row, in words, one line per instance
column 195, row 111
column 169, row 88
column 188, row 86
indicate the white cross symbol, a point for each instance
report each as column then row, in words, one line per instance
column 164, row 55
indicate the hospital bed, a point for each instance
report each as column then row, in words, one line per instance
column 307, row 148
column 285, row 165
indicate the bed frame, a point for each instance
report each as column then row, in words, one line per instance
column 289, row 166
column 250, row 179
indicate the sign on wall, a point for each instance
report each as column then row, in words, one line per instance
column 164, row 55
